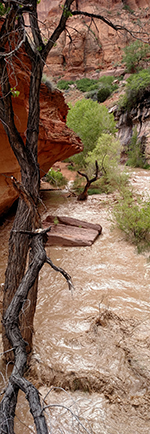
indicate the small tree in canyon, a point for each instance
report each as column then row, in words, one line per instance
column 27, row 237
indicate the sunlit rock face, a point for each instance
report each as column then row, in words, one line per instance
column 56, row 140
column 95, row 46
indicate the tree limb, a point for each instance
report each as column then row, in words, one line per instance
column 84, row 194
column 116, row 27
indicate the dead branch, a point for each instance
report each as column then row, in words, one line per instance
column 63, row 272
column 117, row 27
column 84, row 194
column 11, row 324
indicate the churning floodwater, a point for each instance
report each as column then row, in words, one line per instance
column 93, row 342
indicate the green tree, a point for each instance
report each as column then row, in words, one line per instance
column 135, row 55
column 107, row 153
column 89, row 120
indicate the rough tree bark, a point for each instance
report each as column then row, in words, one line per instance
column 18, row 329
column 26, row 154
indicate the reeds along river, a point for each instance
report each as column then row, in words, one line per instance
column 94, row 342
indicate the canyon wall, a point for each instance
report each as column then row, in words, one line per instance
column 88, row 47
column 56, row 141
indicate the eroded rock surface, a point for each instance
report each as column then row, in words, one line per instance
column 56, row 140
column 67, row 231
column 95, row 45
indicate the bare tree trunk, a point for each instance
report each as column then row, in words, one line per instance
column 19, row 243
column 25, row 154
column 84, row 194
column 17, row 261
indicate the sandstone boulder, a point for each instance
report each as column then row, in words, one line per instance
column 68, row 231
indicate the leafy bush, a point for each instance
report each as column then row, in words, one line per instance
column 107, row 154
column 106, row 87
column 56, row 178
column 106, row 80
column 89, row 120
column 86, row 84
column 91, row 86
column 132, row 215
column 92, row 95
column 64, row 84
column 135, row 54
column 137, row 88
column 103, row 93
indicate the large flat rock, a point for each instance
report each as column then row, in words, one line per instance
column 67, row 231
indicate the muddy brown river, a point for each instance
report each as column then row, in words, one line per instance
column 91, row 357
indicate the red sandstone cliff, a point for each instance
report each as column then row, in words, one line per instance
column 56, row 141
column 93, row 49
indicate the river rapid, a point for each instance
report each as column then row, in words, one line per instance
column 92, row 343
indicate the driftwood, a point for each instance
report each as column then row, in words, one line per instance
column 10, row 322
column 84, row 194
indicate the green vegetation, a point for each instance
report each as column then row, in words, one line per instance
column 56, row 221
column 128, row 9
column 136, row 152
column 107, row 153
column 137, row 88
column 87, row 84
column 135, row 55
column 106, row 80
column 15, row 93
column 92, row 95
column 89, row 120
column 56, row 178
column 103, row 93
column 106, row 87
column 64, row 84
column 132, row 215
column 98, row 89
column 3, row 9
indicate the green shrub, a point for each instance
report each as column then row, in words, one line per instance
column 106, row 80
column 137, row 88
column 103, row 89
column 86, row 84
column 103, row 93
column 89, row 120
column 132, row 215
column 135, row 54
column 56, row 178
column 64, row 84
column 106, row 87
column 107, row 153
column 92, row 95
